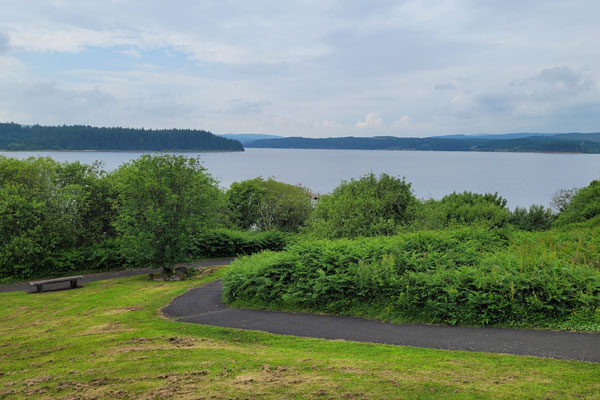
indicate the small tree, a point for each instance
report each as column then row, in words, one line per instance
column 268, row 204
column 584, row 205
column 369, row 206
column 161, row 201
column 562, row 198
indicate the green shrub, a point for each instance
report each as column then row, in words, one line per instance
column 461, row 209
column 230, row 243
column 584, row 205
column 537, row 218
column 268, row 205
column 369, row 206
column 469, row 276
column 47, row 208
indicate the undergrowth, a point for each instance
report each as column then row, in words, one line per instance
column 458, row 277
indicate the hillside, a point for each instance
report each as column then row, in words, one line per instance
column 560, row 143
column 79, row 137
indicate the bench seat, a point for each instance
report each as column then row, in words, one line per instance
column 40, row 284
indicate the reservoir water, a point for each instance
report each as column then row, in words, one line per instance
column 521, row 178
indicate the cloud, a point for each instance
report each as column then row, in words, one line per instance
column 564, row 78
column 371, row 121
column 240, row 106
column 445, row 86
column 327, row 123
column 4, row 43
column 404, row 121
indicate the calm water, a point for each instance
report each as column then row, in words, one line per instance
column 522, row 178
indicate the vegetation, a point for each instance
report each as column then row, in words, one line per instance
column 566, row 143
column 470, row 276
column 464, row 259
column 161, row 202
column 230, row 243
column 369, row 206
column 79, row 137
column 58, row 218
column 50, row 212
column 267, row 204
column 108, row 340
column 461, row 209
column 583, row 206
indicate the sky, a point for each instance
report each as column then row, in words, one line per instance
column 304, row 68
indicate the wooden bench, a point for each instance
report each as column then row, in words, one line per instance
column 40, row 284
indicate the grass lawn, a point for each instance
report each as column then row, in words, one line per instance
column 109, row 340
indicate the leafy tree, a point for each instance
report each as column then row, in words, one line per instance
column 536, row 218
column 47, row 207
column 584, row 206
column 465, row 208
column 162, row 200
column 369, row 206
column 267, row 204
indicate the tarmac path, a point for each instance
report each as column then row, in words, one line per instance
column 203, row 305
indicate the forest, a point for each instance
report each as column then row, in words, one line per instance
column 81, row 137
column 369, row 248
column 563, row 143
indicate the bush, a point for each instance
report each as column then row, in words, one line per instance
column 231, row 243
column 467, row 276
column 537, row 218
column 47, row 208
column 460, row 209
column 368, row 206
column 585, row 205
column 267, row 205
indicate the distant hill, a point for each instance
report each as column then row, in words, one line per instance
column 247, row 137
column 495, row 136
column 559, row 143
column 80, row 137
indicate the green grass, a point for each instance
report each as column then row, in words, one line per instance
column 109, row 340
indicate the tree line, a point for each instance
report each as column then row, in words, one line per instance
column 82, row 137
column 575, row 143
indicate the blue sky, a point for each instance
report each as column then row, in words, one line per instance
column 304, row 68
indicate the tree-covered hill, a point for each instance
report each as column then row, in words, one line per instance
column 562, row 143
column 81, row 137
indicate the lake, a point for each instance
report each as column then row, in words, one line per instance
column 522, row 178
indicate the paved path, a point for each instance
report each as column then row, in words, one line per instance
column 203, row 306
column 101, row 276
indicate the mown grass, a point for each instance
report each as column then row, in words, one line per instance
column 109, row 340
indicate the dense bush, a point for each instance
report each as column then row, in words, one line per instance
column 369, row 206
column 46, row 208
column 459, row 209
column 267, row 204
column 583, row 206
column 468, row 276
column 230, row 243
column 536, row 218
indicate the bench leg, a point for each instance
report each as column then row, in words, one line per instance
column 39, row 288
column 73, row 283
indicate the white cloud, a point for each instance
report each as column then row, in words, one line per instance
column 67, row 39
column 403, row 122
column 371, row 121
column 326, row 123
